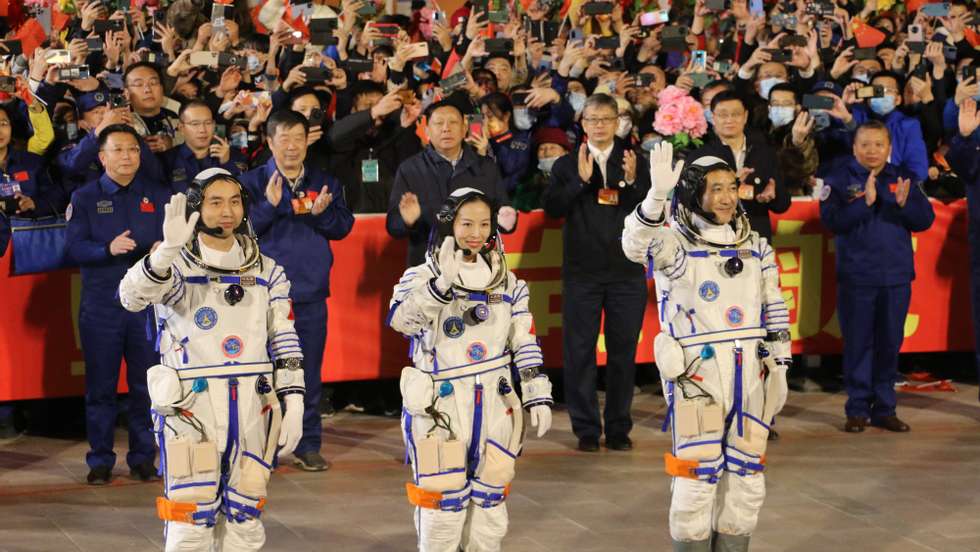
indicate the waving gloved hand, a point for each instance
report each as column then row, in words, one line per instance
column 177, row 229
column 292, row 423
column 664, row 175
column 450, row 261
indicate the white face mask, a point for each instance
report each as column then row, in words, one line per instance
column 546, row 163
column 577, row 101
column 624, row 127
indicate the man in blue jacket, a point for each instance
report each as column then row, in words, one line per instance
column 908, row 149
column 202, row 148
column 296, row 210
column 872, row 207
column 964, row 158
column 112, row 223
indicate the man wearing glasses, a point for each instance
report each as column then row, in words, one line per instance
column 594, row 189
column 202, row 148
column 144, row 90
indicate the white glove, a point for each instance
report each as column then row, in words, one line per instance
column 664, row 175
column 541, row 418
column 450, row 261
column 778, row 386
column 292, row 423
column 177, row 229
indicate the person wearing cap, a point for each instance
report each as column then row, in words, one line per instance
column 549, row 145
column 298, row 209
column 201, row 148
column 473, row 345
column 228, row 355
column 425, row 180
column 761, row 186
column 594, row 189
column 78, row 162
column 723, row 350
column 872, row 207
column 112, row 222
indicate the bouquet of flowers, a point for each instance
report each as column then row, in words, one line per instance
column 679, row 118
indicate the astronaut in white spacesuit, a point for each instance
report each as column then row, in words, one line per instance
column 723, row 349
column 221, row 307
column 463, row 424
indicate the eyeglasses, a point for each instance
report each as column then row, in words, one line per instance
column 600, row 120
column 724, row 115
column 198, row 124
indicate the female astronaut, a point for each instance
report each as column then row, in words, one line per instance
column 463, row 423
column 723, row 349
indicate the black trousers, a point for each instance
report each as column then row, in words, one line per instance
column 583, row 304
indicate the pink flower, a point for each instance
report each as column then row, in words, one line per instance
column 668, row 120
column 670, row 95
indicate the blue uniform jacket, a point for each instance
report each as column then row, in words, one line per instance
column 28, row 171
column 79, row 162
column 513, row 156
column 908, row 146
column 100, row 211
column 874, row 244
column 300, row 243
column 964, row 158
column 180, row 166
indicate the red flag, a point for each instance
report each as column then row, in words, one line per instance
column 913, row 5
column 31, row 35
column 865, row 35
column 972, row 37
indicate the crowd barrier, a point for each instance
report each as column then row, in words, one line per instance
column 40, row 350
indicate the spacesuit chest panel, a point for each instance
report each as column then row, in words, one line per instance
column 472, row 328
column 710, row 299
column 212, row 331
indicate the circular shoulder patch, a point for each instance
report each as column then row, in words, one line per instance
column 205, row 318
column 453, row 327
column 824, row 192
column 709, row 291
column 734, row 316
column 476, row 351
column 232, row 346
column 68, row 212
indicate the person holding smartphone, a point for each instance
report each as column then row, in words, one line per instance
column 201, row 149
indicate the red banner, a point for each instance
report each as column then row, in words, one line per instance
column 40, row 351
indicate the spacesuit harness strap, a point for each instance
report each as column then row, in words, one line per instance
column 476, row 368
column 238, row 369
column 721, row 336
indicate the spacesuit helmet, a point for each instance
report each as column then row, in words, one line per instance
column 195, row 199
column 689, row 194
column 446, row 218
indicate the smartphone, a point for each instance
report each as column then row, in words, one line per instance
column 367, row 9
column 756, row 8
column 916, row 46
column 387, row 30
column 94, row 44
column 102, row 26
column 969, row 72
column 597, row 8
column 645, row 79
column 453, row 82
column 324, row 39
column 227, row 60
column 218, row 14
column 816, row 101
column 935, row 10
column 650, row 19
column 115, row 81
column 699, row 59
column 607, row 42
column 322, row 24
column 418, row 50
column 499, row 45
column 118, row 100
column 914, row 33
column 781, row 55
column 920, row 70
column 722, row 66
column 820, row 9
column 519, row 98
column 12, row 47
column 545, row 31
column 498, row 16
column 864, row 53
column 674, row 38
column 57, row 57
column 793, row 40
column 871, row 91
column 476, row 124
column 949, row 52
column 219, row 131
column 157, row 59
column 320, row 74
column 358, row 66
column 717, row 5
column 316, row 116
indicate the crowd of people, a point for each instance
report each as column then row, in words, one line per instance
column 325, row 111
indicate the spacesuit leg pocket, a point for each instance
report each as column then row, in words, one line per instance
column 191, row 489
column 697, row 440
column 253, row 479
column 441, row 464
column 752, row 443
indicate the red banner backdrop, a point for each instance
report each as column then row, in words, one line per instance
column 40, row 351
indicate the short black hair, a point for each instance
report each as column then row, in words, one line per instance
column 728, row 96
column 497, row 103
column 145, row 64
column 899, row 79
column 192, row 104
column 785, row 87
column 873, row 124
column 301, row 91
column 287, row 119
column 117, row 129
column 365, row 87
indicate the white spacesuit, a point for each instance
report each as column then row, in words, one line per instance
column 463, row 423
column 723, row 350
column 216, row 393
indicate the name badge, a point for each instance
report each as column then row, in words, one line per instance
column 104, row 207
column 608, row 196
column 370, row 171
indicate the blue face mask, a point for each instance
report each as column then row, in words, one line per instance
column 781, row 116
column 765, row 86
column 523, row 119
column 577, row 101
column 821, row 120
column 649, row 143
column 545, row 163
column 239, row 140
column 253, row 64
column 883, row 105
column 863, row 77
column 708, row 116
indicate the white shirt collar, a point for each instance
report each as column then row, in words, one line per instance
column 230, row 260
